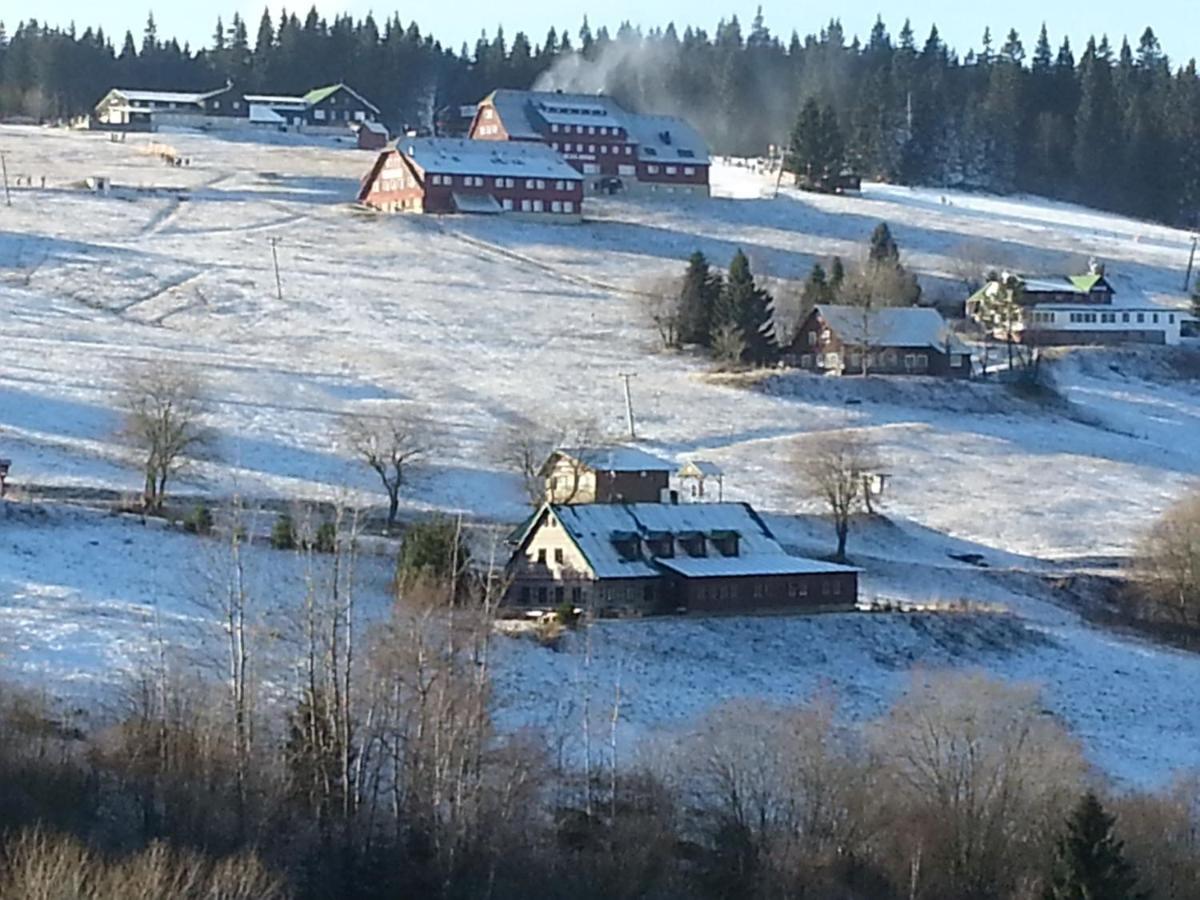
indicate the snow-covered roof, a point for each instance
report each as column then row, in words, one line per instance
column 694, row 467
column 666, row 139
column 277, row 100
column 615, row 459
column 265, row 115
column 454, row 156
column 316, row 95
column 759, row 564
column 892, row 326
column 592, row 526
column 374, row 127
column 189, row 97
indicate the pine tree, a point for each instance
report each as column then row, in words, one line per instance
column 817, row 290
column 883, row 246
column 1090, row 862
column 747, row 307
column 837, row 275
column 698, row 297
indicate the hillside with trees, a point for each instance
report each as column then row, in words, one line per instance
column 1116, row 127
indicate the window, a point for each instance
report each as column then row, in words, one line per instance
column 541, row 557
column 591, row 148
column 671, row 170
column 1155, row 318
column 555, row 206
column 537, row 206
column 806, row 361
column 1124, row 317
column 553, row 145
column 559, row 595
column 541, row 595
column 487, row 113
column 525, row 595
column 526, row 206
column 576, row 595
column 1171, row 318
column 832, row 360
column 689, row 170
column 651, row 170
column 591, row 129
column 541, row 185
column 529, row 184
column 554, row 129
column 628, row 151
column 604, row 148
column 559, row 555
column 506, row 204
column 568, row 206
column 1141, row 318
column 812, row 339
column 626, row 170
column 797, row 589
column 956, row 360
column 560, row 185
column 237, row 104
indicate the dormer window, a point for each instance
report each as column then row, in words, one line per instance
column 693, row 544
column 726, row 542
column 660, row 544
column 628, row 545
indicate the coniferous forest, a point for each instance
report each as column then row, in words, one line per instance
column 1113, row 126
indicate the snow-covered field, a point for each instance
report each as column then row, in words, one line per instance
column 475, row 323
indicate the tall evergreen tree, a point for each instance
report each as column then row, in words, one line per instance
column 1090, row 862
column 746, row 306
column 698, row 296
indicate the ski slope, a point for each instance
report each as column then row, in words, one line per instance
column 473, row 324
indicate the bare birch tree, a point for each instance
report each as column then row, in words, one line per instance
column 835, row 467
column 163, row 408
column 1169, row 565
column 390, row 445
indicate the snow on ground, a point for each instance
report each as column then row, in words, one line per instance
column 476, row 323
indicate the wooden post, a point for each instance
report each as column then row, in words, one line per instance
column 4, row 170
column 625, row 376
column 1187, row 278
column 275, row 258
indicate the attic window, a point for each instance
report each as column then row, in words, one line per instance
column 628, row 545
column 726, row 542
column 661, row 544
column 693, row 544
column 687, row 153
column 650, row 151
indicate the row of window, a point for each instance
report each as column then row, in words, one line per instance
column 1103, row 318
column 537, row 206
column 487, row 129
column 647, row 593
column 913, row 362
column 671, row 170
column 590, row 129
column 531, row 184
column 591, row 148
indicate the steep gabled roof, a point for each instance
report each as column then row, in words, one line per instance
column 891, row 326
column 316, row 95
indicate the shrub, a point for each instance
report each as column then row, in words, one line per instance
column 326, row 538
column 283, row 534
column 199, row 520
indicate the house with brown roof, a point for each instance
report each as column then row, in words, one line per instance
column 836, row 340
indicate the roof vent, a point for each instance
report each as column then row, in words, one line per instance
column 665, row 136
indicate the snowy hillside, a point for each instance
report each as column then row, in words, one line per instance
column 480, row 322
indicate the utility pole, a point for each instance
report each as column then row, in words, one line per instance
column 1187, row 278
column 275, row 258
column 625, row 376
column 4, row 169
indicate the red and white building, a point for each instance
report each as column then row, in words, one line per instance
column 448, row 175
column 614, row 150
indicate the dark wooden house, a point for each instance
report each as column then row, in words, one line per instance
column 840, row 340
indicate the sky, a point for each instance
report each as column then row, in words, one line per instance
column 960, row 23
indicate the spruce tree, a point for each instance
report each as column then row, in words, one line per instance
column 1090, row 862
column 837, row 275
column 883, row 246
column 697, row 298
column 747, row 307
column 817, row 290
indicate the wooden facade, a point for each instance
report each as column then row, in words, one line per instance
column 820, row 345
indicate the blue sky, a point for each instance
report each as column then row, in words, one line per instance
column 961, row 23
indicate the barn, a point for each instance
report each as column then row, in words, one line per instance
column 450, row 175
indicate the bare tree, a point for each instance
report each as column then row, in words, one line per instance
column 525, row 446
column 658, row 299
column 1169, row 565
column 728, row 347
column 977, row 776
column 389, row 445
column 163, row 408
column 836, row 467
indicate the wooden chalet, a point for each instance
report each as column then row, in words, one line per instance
column 837, row 340
column 615, row 150
column 449, row 175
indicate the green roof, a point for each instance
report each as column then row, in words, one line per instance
column 316, row 95
column 1085, row 283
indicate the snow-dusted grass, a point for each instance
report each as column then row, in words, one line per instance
column 477, row 322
